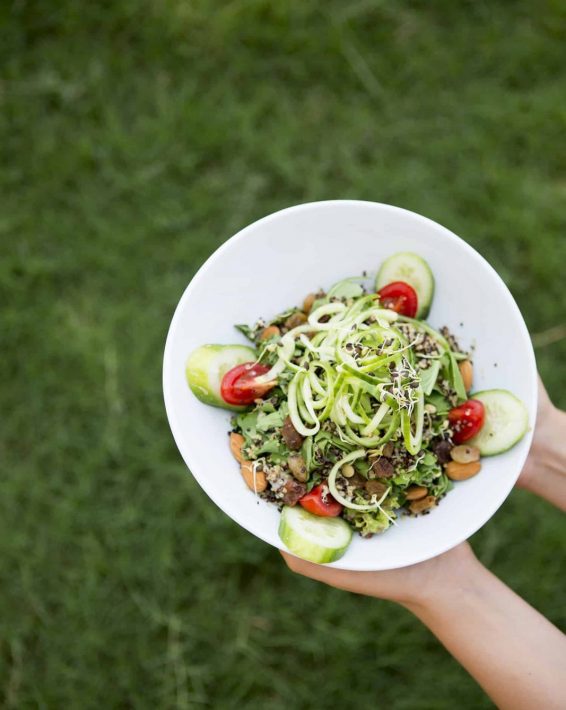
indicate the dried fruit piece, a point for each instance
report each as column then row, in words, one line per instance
column 290, row 435
column 382, row 468
column 376, row 488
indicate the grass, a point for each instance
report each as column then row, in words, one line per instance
column 135, row 137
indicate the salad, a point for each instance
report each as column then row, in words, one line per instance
column 352, row 411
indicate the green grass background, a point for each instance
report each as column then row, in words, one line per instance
column 135, row 137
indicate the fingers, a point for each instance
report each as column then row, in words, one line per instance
column 544, row 401
column 299, row 566
column 320, row 573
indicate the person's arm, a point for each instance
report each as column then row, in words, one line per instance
column 514, row 653
column 545, row 471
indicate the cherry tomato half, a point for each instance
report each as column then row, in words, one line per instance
column 466, row 420
column 400, row 297
column 239, row 385
column 320, row 502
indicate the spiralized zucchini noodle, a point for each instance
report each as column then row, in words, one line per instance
column 352, row 365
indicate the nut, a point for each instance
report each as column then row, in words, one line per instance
column 347, row 470
column 462, row 471
column 419, row 506
column 465, row 454
column 298, row 467
column 295, row 319
column 308, row 302
column 236, row 443
column 270, row 332
column 467, row 371
column 257, row 481
column 416, row 492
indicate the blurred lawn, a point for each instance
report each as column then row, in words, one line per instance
column 136, row 136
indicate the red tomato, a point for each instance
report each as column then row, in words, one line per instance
column 320, row 502
column 466, row 420
column 400, row 297
column 239, row 384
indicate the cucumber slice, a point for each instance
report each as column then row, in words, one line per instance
column 413, row 269
column 506, row 422
column 207, row 366
column 314, row 538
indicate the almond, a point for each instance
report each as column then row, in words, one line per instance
column 416, row 492
column 461, row 471
column 257, row 481
column 308, row 302
column 467, row 371
column 465, row 454
column 270, row 332
column 236, row 443
column 419, row 506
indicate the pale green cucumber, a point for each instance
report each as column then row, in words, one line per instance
column 314, row 538
column 207, row 366
column 506, row 422
column 412, row 269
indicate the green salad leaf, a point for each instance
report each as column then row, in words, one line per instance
column 362, row 395
column 429, row 376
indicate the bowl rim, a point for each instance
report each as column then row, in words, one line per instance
column 201, row 273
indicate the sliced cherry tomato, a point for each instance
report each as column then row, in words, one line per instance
column 320, row 502
column 401, row 297
column 239, row 385
column 466, row 420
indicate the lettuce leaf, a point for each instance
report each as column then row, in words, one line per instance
column 429, row 376
column 246, row 330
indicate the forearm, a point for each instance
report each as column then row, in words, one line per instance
column 545, row 473
column 513, row 652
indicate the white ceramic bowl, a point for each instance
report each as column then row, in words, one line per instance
column 273, row 264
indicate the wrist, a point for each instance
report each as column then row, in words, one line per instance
column 548, row 451
column 554, row 456
column 449, row 577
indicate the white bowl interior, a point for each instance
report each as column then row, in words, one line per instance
column 273, row 264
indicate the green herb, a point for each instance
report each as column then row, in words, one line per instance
column 246, row 330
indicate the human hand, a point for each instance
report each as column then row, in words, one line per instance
column 549, row 442
column 544, row 473
column 411, row 586
column 513, row 652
